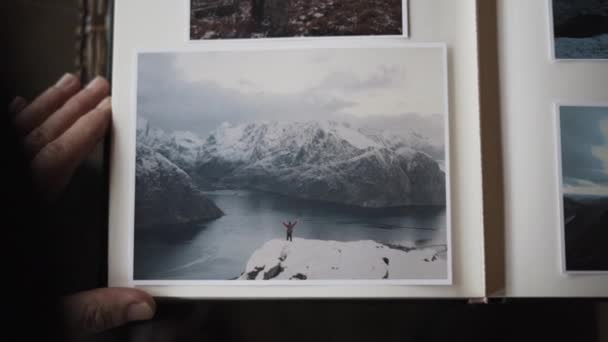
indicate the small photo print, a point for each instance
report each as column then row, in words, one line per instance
column 225, row 19
column 584, row 165
column 580, row 29
column 292, row 165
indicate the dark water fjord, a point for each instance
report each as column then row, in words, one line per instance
column 219, row 249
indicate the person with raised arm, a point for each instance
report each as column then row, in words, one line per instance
column 289, row 229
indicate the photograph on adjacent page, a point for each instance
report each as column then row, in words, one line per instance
column 224, row 19
column 299, row 164
column 580, row 29
column 584, row 163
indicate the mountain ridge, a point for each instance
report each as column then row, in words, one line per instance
column 327, row 161
column 318, row 160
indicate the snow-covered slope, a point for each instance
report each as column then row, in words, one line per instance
column 180, row 147
column 262, row 140
column 326, row 161
column 326, row 260
column 165, row 194
column 409, row 140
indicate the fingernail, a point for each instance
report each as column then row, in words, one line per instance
column 97, row 83
column 105, row 104
column 17, row 105
column 66, row 81
column 139, row 312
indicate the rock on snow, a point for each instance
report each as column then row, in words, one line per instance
column 305, row 259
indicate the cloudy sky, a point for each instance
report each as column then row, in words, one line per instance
column 197, row 91
column 584, row 138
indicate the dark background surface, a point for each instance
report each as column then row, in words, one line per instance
column 39, row 45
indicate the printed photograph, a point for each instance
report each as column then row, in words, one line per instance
column 300, row 164
column 584, row 155
column 223, row 19
column 580, row 29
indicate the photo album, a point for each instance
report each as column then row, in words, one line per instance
column 360, row 148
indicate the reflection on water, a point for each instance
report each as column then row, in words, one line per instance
column 220, row 249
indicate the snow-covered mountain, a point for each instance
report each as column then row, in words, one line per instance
column 180, row 147
column 165, row 194
column 410, row 140
column 326, row 161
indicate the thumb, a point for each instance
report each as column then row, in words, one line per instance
column 97, row 310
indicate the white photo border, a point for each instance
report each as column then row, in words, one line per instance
column 557, row 106
column 290, row 283
column 552, row 48
column 405, row 30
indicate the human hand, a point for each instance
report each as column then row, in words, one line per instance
column 98, row 310
column 59, row 129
